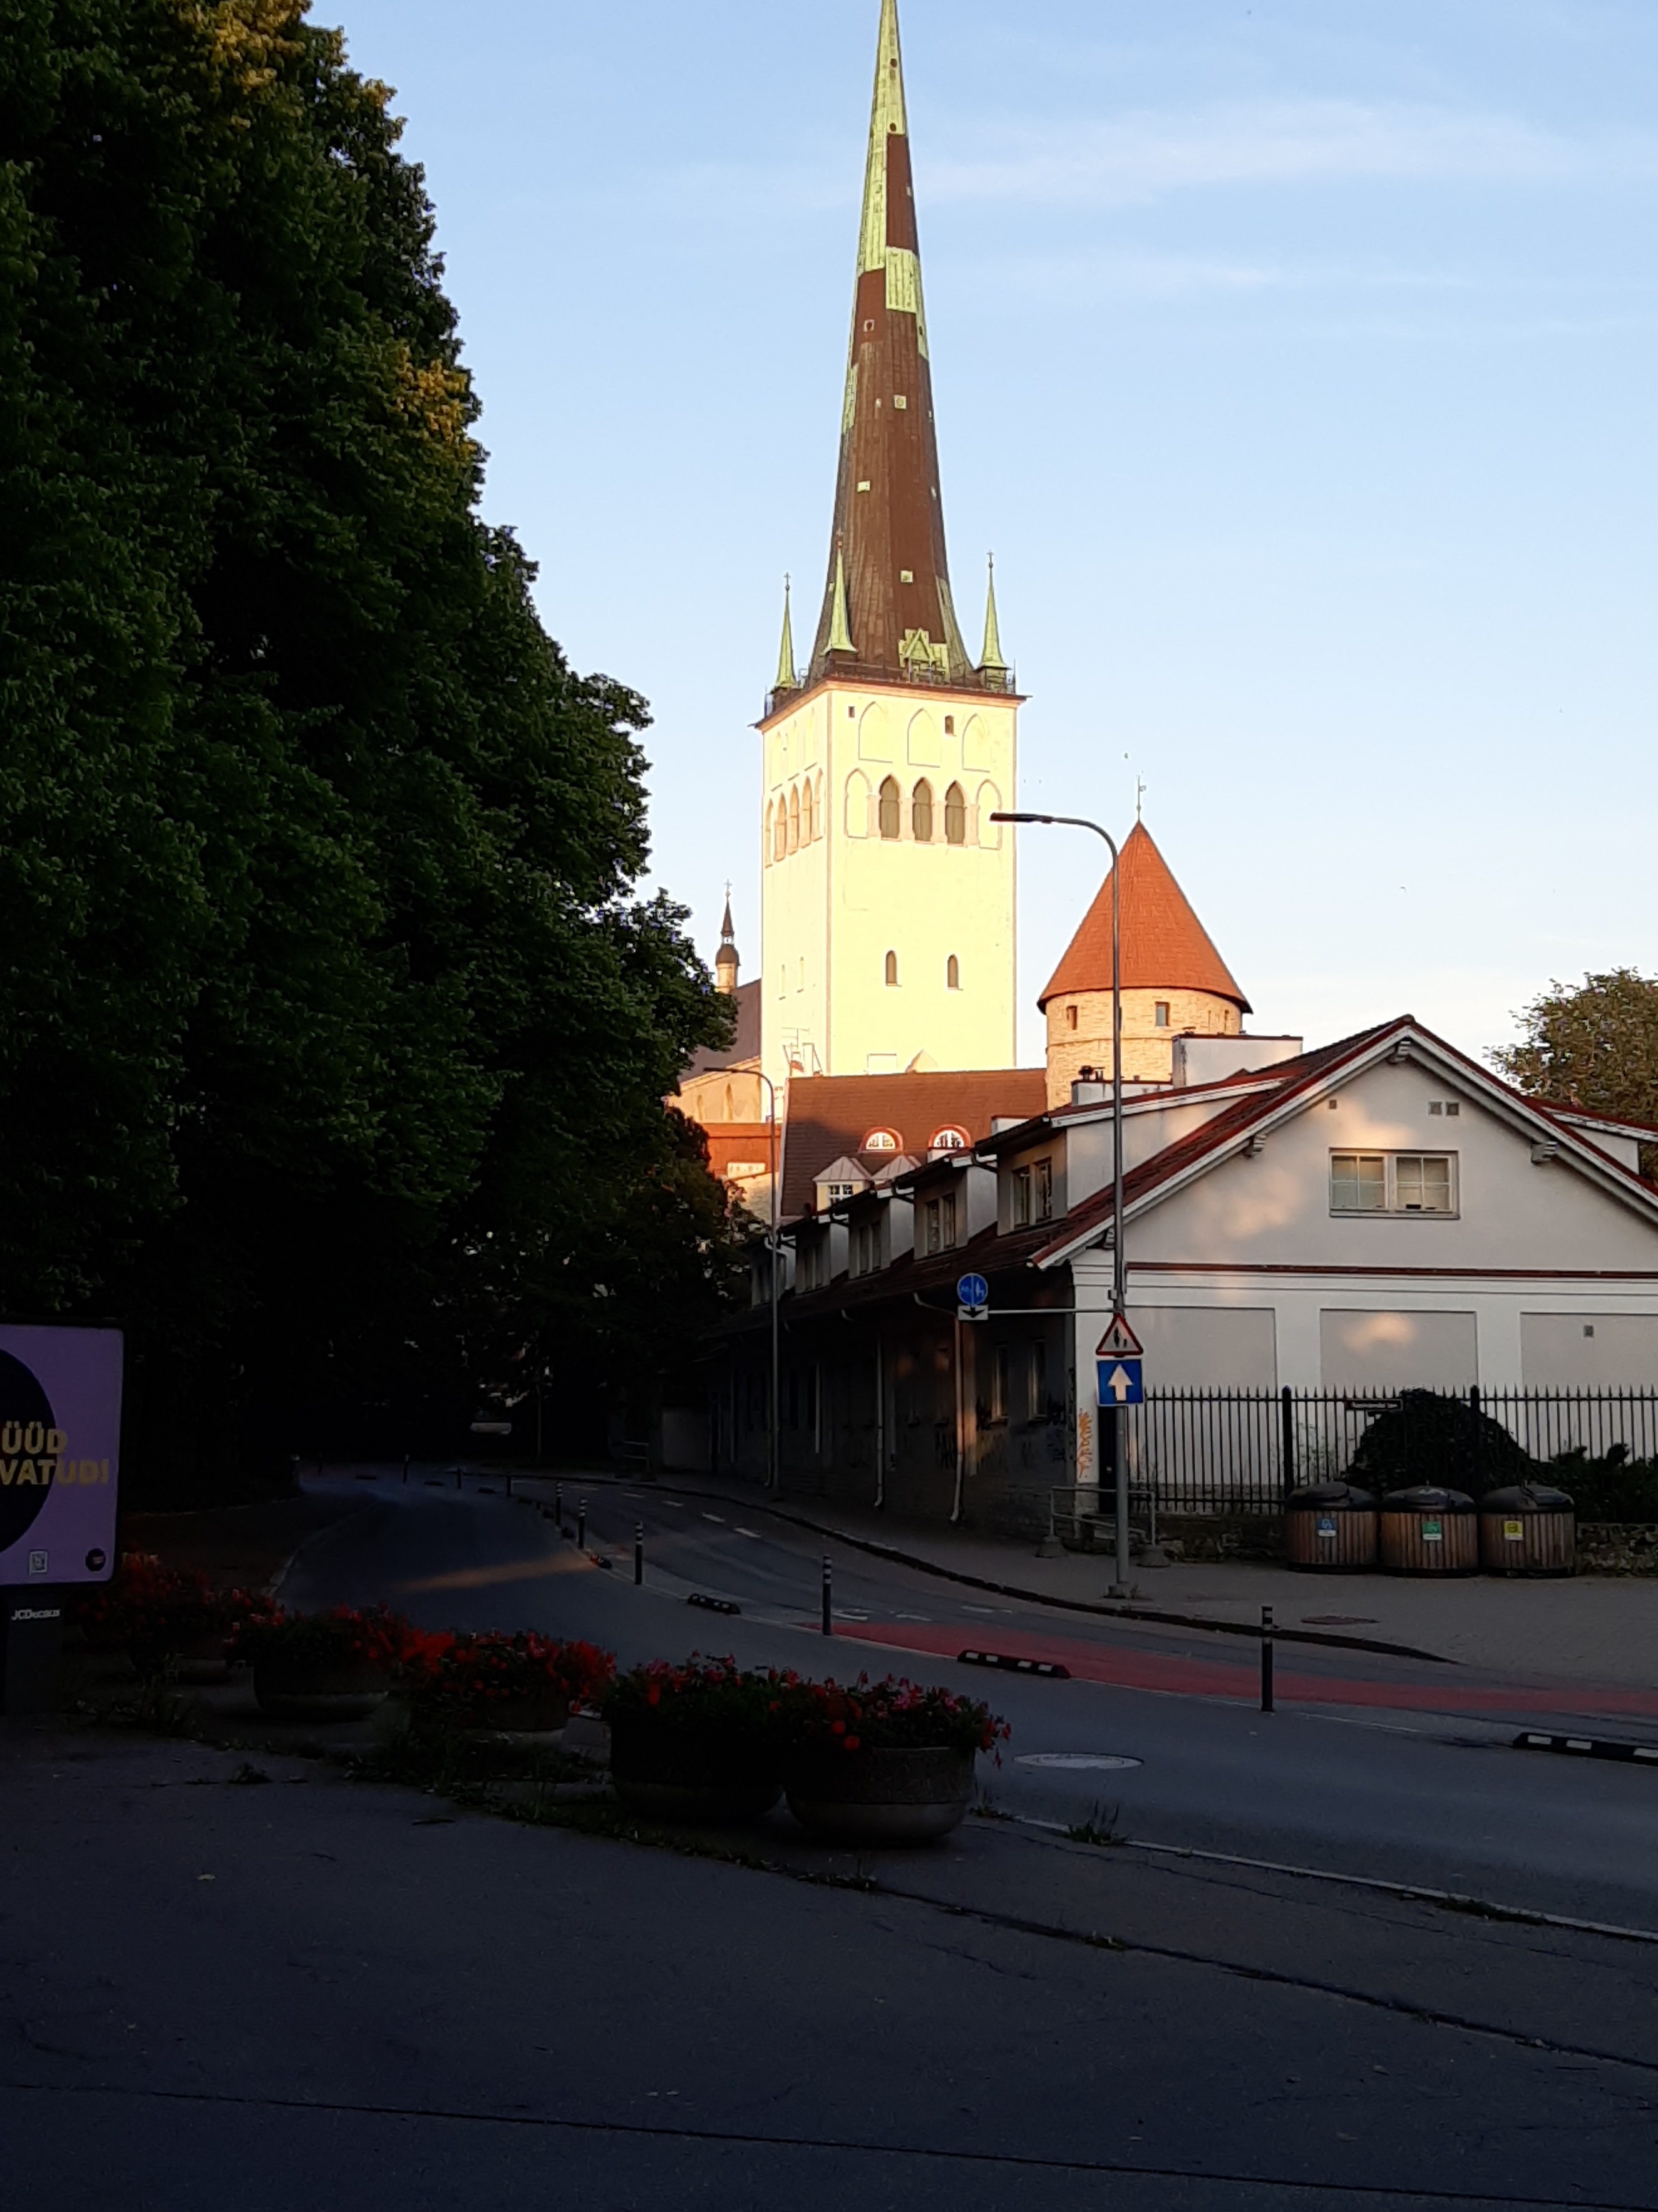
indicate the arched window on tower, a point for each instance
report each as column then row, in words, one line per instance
column 892, row 971
column 921, row 812
column 806, row 813
column 955, row 815
column 795, row 819
column 766, row 848
column 779, row 838
column 952, row 974
column 818, row 812
column 891, row 799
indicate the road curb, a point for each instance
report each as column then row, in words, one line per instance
column 1128, row 1612
column 1589, row 1747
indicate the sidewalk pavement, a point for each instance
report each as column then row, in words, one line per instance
column 1593, row 1628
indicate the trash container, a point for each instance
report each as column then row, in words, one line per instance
column 1529, row 1529
column 1426, row 1530
column 1330, row 1525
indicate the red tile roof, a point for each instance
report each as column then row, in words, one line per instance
column 1164, row 946
column 827, row 1116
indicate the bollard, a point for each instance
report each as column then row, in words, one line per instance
column 405, row 1470
column 581, row 1526
column 639, row 1553
column 828, row 1597
column 1267, row 1658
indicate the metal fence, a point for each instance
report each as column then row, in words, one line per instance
column 1239, row 1452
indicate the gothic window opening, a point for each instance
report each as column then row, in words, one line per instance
column 890, row 799
column 779, row 841
column 794, row 820
column 952, row 974
column 807, row 815
column 956, row 816
column 921, row 812
column 892, row 971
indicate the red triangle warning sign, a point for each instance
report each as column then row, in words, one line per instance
column 1120, row 1341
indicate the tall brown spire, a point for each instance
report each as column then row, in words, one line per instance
column 888, row 539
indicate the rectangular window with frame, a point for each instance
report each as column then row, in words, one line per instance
column 947, row 1221
column 998, row 1383
column 1044, row 1194
column 1021, row 1209
column 1393, row 1182
column 930, row 1216
column 1035, row 1401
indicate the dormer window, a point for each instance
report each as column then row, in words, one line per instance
column 949, row 1139
column 880, row 1140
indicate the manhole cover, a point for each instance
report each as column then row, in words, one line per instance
column 1070, row 1759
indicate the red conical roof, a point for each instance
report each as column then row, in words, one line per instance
column 887, row 564
column 1164, row 946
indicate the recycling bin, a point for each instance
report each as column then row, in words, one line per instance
column 1426, row 1530
column 1528, row 1530
column 1330, row 1526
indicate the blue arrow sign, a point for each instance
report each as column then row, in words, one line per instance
column 1120, row 1384
column 973, row 1290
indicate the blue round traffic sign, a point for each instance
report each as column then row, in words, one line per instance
column 973, row 1290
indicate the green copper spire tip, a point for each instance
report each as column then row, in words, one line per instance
column 991, row 655
column 785, row 650
column 840, row 638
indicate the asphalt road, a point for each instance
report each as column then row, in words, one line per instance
column 1428, row 1792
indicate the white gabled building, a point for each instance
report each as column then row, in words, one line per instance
column 1381, row 1214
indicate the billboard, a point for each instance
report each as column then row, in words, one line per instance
column 60, row 1443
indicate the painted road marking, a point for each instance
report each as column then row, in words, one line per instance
column 1070, row 1759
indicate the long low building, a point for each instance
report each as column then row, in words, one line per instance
column 1379, row 1215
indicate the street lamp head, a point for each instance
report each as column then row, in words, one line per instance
column 1021, row 818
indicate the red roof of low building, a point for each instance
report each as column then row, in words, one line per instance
column 1164, row 946
column 829, row 1116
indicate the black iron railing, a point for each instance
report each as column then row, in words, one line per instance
column 1239, row 1452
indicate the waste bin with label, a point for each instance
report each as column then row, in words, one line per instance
column 1529, row 1529
column 1330, row 1525
column 1426, row 1530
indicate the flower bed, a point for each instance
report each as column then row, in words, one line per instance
column 522, row 1685
column 322, row 1665
column 881, row 1762
column 166, row 1620
column 697, row 1741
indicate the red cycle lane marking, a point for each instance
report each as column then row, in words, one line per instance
column 1132, row 1669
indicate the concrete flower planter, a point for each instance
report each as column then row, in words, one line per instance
column 290, row 1692
column 881, row 1797
column 675, row 1773
column 531, row 1722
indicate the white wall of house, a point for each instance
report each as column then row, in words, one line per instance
column 1543, row 1276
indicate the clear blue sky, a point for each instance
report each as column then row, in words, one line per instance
column 1296, row 359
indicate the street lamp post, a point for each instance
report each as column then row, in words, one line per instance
column 1122, row 1587
column 774, row 1243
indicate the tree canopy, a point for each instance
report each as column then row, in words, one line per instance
column 1594, row 1047
column 331, row 1012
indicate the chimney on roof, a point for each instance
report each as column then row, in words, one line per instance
column 1090, row 1087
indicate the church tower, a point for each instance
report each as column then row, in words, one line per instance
column 886, row 891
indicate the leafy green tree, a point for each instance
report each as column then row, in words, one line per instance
column 331, row 1010
column 1596, row 1047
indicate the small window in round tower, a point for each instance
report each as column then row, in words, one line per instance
column 952, row 974
column 1160, row 1014
column 1071, row 1018
column 892, row 971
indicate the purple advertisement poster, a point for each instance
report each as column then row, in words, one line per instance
column 60, row 1441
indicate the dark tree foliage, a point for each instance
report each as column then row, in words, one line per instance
column 1426, row 1437
column 1596, row 1047
column 332, row 1019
